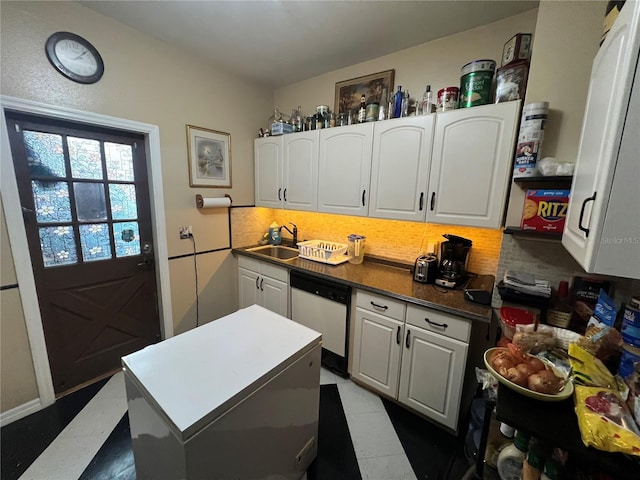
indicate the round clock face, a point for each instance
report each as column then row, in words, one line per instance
column 74, row 57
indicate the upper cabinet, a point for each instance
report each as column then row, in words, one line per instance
column 451, row 167
column 400, row 168
column 602, row 229
column 300, row 171
column 471, row 165
column 286, row 171
column 268, row 171
column 344, row 169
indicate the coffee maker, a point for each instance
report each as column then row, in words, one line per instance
column 454, row 256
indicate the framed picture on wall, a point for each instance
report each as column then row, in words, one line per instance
column 209, row 153
column 372, row 86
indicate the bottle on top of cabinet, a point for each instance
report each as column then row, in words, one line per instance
column 362, row 111
column 428, row 103
column 397, row 105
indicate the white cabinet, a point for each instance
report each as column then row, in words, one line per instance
column 400, row 168
column 377, row 347
column 344, row 169
column 268, row 171
column 471, row 165
column 300, row 171
column 433, row 366
column 602, row 229
column 263, row 284
column 286, row 171
column 417, row 357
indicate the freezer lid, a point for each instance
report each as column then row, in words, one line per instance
column 194, row 377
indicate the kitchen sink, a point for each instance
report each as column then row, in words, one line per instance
column 276, row 251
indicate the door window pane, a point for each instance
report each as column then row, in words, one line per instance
column 57, row 245
column 90, row 202
column 94, row 241
column 85, row 159
column 123, row 201
column 119, row 161
column 51, row 201
column 127, row 238
column 44, row 154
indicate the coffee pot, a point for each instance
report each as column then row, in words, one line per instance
column 454, row 256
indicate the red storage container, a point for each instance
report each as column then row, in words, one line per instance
column 510, row 317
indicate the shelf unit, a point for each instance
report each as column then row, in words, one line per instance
column 563, row 182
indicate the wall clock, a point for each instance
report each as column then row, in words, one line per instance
column 74, row 57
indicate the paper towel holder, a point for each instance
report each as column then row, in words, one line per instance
column 216, row 202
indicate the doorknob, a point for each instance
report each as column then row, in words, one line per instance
column 146, row 263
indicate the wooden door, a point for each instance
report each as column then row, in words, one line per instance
column 85, row 200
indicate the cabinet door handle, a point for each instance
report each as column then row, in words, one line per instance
column 584, row 205
column 279, row 192
column 363, row 192
column 261, row 284
column 435, row 324
column 382, row 307
column 406, row 340
column 421, row 200
column 433, row 200
column 257, row 287
column 398, row 335
column 285, row 194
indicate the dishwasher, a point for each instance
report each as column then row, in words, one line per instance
column 324, row 306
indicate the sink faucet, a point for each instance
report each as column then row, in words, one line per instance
column 293, row 232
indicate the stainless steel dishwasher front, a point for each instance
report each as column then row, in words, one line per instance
column 324, row 306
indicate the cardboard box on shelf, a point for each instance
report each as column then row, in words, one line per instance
column 545, row 210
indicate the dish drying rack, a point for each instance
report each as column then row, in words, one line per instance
column 323, row 251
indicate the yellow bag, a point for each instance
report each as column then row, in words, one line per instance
column 588, row 370
column 605, row 421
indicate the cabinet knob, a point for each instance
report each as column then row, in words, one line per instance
column 279, row 191
column 285, row 194
column 421, row 200
column 406, row 340
column 261, row 284
column 398, row 335
column 257, row 287
column 363, row 193
column 433, row 201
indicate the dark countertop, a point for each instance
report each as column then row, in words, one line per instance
column 387, row 278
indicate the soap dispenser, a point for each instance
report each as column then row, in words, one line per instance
column 274, row 234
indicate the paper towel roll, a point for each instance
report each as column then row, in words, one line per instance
column 219, row 202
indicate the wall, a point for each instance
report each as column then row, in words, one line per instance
column 561, row 79
column 437, row 63
column 147, row 81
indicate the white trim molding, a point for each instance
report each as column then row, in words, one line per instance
column 20, row 411
column 18, row 237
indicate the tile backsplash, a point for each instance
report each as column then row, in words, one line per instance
column 397, row 240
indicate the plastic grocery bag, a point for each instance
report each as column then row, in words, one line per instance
column 605, row 421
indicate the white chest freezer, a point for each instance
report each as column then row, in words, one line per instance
column 235, row 398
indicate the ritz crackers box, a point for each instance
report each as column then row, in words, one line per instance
column 545, row 210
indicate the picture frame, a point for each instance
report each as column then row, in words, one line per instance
column 209, row 153
column 349, row 92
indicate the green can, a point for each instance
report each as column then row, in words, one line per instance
column 476, row 82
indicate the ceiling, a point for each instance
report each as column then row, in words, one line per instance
column 277, row 43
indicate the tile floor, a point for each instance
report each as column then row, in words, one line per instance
column 360, row 436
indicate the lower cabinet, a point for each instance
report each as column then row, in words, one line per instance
column 263, row 284
column 412, row 354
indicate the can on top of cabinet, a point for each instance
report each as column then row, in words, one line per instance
column 475, row 83
column 448, row 99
